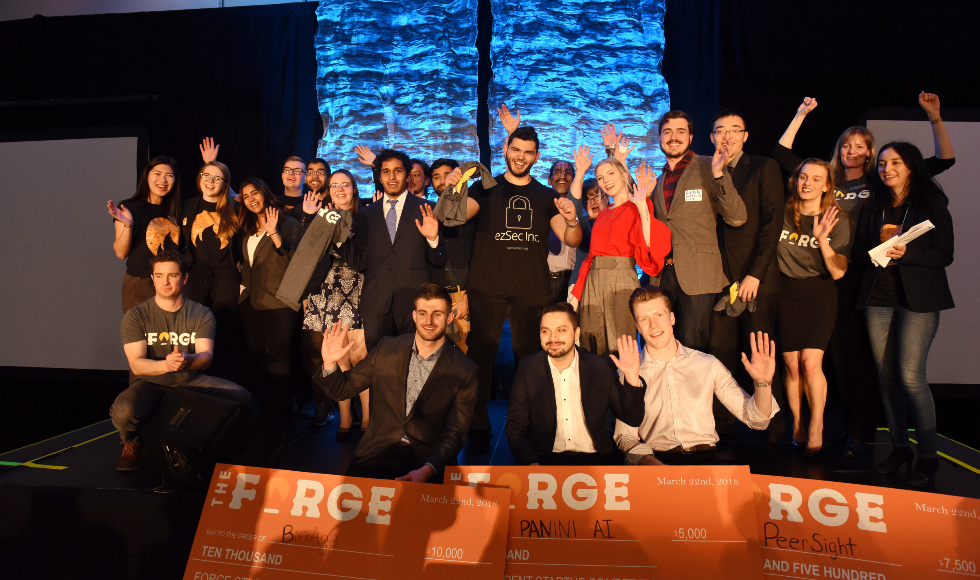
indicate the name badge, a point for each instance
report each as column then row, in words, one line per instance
column 692, row 195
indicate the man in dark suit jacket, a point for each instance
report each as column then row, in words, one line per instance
column 390, row 252
column 748, row 254
column 424, row 400
column 560, row 397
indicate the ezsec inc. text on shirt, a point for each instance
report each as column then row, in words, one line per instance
column 516, row 237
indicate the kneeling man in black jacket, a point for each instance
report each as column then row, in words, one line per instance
column 558, row 404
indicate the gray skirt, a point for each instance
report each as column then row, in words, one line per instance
column 604, row 312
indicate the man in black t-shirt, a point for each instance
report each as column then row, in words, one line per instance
column 509, row 277
column 168, row 341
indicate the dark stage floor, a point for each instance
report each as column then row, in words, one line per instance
column 86, row 458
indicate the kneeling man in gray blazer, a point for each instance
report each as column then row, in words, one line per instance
column 423, row 392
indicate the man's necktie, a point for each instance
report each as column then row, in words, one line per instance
column 392, row 219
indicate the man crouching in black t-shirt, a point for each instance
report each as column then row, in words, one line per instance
column 509, row 276
column 168, row 340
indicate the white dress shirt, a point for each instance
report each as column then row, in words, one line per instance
column 563, row 260
column 571, row 434
column 678, row 404
column 399, row 207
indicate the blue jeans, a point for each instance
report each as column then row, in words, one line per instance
column 900, row 341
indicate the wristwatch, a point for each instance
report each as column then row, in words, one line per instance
column 764, row 385
column 573, row 225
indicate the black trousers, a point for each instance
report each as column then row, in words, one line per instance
column 487, row 315
column 559, row 286
column 854, row 373
column 396, row 461
column 219, row 289
column 391, row 323
column 716, row 457
column 729, row 339
column 269, row 334
column 692, row 313
column 578, row 458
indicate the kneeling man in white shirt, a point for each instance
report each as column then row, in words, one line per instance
column 679, row 426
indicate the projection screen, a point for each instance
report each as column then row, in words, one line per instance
column 62, row 282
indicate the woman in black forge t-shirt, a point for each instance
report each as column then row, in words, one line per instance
column 144, row 224
column 213, row 251
column 854, row 169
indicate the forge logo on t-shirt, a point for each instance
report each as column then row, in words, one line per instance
column 172, row 338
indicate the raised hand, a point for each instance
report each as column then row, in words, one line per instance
column 507, row 120
column 623, row 151
column 930, row 103
column 311, row 204
column 822, row 228
column 629, row 359
column 609, row 136
column 452, row 179
column 271, row 220
column 566, row 208
column 377, row 196
column 364, row 155
column 762, row 367
column 209, row 151
column 333, row 348
column 429, row 226
column 583, row 159
column 720, row 158
column 809, row 104
column 646, row 179
column 121, row 213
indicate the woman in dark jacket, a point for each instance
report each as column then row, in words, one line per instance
column 269, row 239
column 902, row 300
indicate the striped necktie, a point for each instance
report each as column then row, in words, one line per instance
column 391, row 219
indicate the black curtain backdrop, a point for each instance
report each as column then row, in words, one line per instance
column 245, row 76
column 764, row 56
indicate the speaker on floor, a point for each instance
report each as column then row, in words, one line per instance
column 197, row 431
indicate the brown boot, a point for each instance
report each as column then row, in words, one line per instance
column 130, row 458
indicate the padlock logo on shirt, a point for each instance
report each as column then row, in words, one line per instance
column 518, row 213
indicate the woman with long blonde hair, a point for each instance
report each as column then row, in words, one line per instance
column 810, row 259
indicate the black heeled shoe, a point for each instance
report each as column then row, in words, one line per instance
column 925, row 472
column 896, row 458
column 343, row 434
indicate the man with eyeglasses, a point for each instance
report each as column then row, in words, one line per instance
column 748, row 254
column 317, row 176
column 293, row 178
column 561, row 258
column 691, row 192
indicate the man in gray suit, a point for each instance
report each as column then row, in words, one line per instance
column 690, row 193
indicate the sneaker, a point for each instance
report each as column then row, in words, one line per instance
column 130, row 458
column 325, row 413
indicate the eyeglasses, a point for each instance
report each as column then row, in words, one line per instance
column 212, row 178
column 289, row 171
column 319, row 172
column 339, row 186
column 726, row 132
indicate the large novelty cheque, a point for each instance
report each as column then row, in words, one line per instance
column 269, row 524
column 823, row 529
column 625, row 522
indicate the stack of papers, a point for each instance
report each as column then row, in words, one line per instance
column 878, row 256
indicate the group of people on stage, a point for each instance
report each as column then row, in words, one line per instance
column 402, row 304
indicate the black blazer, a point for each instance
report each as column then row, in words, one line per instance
column 750, row 249
column 439, row 420
column 922, row 269
column 532, row 415
column 262, row 278
column 393, row 272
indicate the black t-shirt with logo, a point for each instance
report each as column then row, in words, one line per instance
column 208, row 249
column 163, row 331
column 888, row 290
column 153, row 230
column 510, row 247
